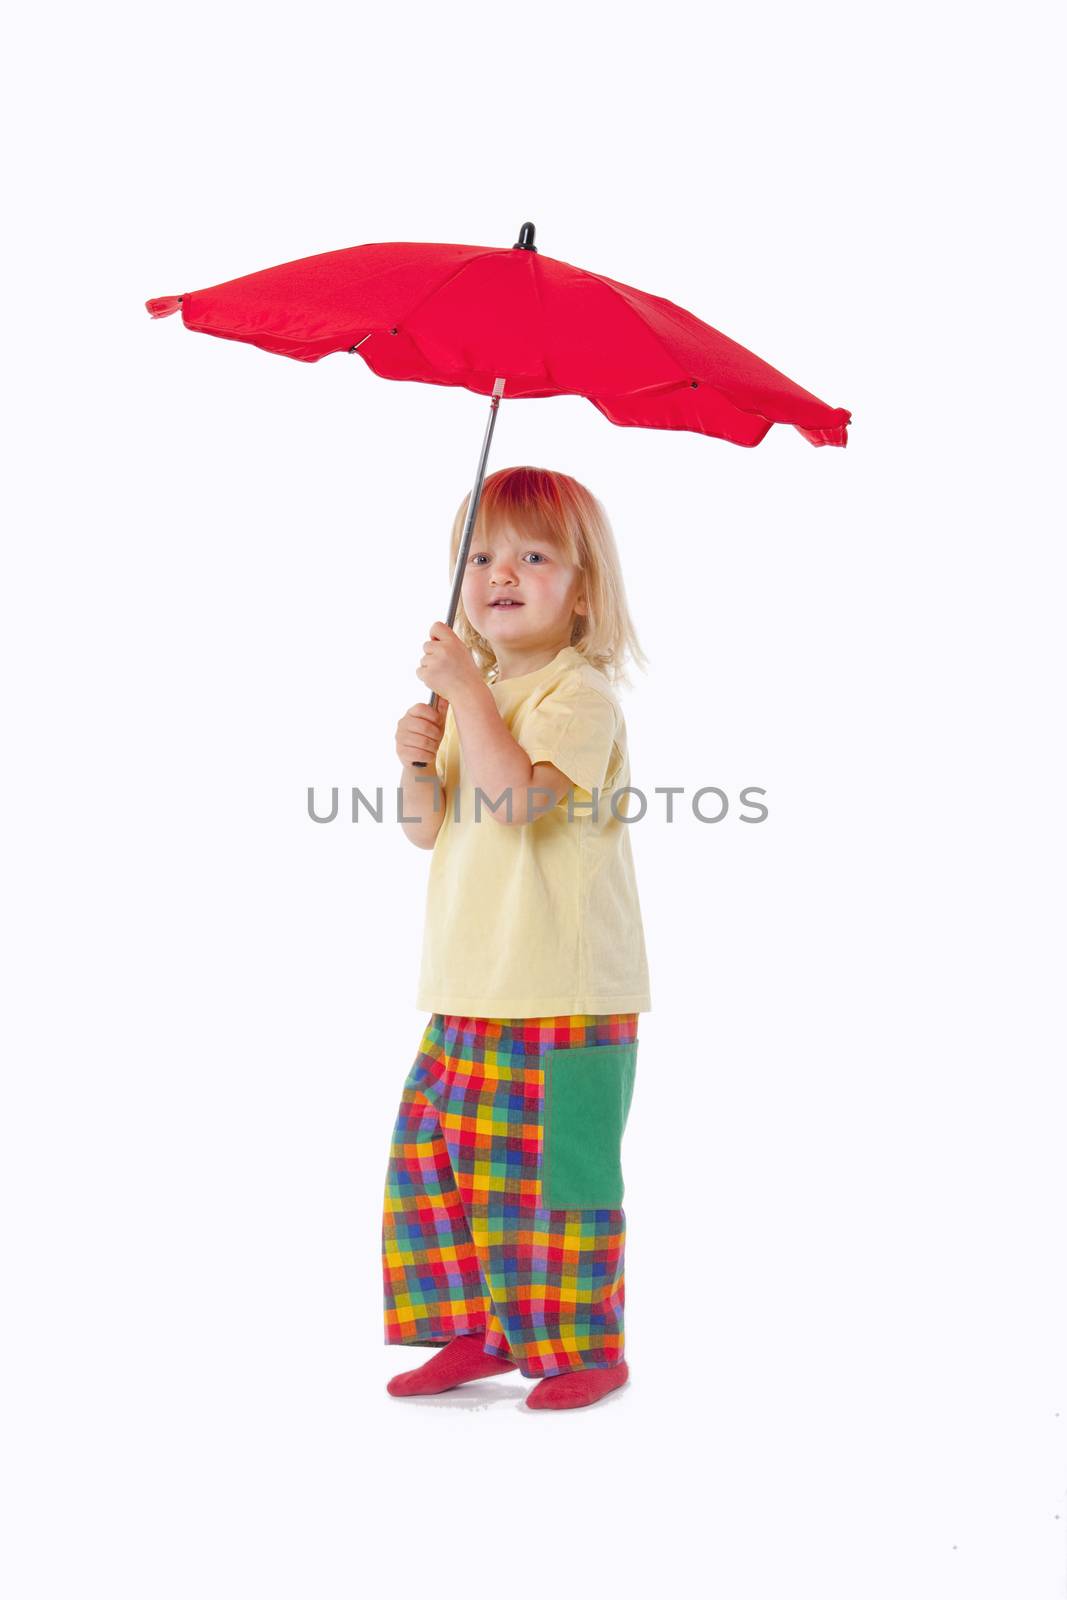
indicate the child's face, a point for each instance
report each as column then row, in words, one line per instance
column 530, row 571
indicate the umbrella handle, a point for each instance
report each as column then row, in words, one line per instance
column 468, row 526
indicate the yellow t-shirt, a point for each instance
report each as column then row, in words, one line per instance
column 540, row 918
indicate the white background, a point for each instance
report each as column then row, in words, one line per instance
column 846, row 1311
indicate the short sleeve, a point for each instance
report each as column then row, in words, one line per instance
column 575, row 729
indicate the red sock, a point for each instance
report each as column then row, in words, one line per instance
column 581, row 1388
column 460, row 1361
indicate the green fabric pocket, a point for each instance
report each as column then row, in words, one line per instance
column 588, row 1090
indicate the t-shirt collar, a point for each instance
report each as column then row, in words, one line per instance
column 526, row 679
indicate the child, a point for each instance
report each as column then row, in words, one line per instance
column 503, row 1230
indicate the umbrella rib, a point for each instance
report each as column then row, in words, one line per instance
column 748, row 411
column 796, row 390
column 410, row 312
column 652, row 335
column 544, row 321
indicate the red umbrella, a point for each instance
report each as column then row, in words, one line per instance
column 486, row 319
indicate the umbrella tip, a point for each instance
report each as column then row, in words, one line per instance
column 526, row 238
column 165, row 306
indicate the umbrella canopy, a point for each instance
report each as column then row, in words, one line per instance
column 465, row 315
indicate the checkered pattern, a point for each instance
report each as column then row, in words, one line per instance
column 467, row 1246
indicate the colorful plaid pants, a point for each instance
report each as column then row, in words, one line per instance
column 503, row 1194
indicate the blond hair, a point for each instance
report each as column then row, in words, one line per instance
column 557, row 508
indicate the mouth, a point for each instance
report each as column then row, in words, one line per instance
column 504, row 605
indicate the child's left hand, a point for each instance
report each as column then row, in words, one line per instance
column 447, row 666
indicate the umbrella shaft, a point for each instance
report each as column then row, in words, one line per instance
column 468, row 526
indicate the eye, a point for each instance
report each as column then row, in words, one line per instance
column 477, row 557
column 540, row 558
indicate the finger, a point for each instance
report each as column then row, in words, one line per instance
column 418, row 741
column 411, row 748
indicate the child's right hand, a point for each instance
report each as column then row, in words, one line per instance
column 420, row 731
